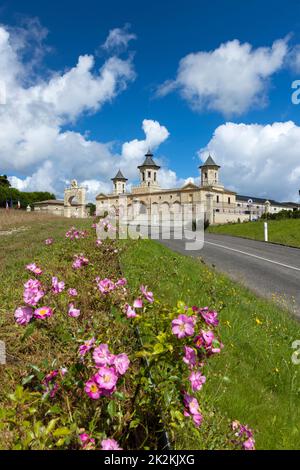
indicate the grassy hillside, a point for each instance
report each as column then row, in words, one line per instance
column 253, row 379
column 286, row 231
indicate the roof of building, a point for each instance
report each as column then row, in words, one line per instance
column 260, row 200
column 209, row 162
column 119, row 176
column 149, row 162
column 189, row 185
column 51, row 201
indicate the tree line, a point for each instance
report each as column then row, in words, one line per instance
column 284, row 214
column 8, row 194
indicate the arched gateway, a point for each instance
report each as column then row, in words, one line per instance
column 74, row 201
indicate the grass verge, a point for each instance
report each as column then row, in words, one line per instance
column 286, row 231
column 253, row 379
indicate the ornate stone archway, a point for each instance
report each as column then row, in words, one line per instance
column 78, row 193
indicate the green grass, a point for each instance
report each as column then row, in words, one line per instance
column 253, row 379
column 54, row 344
column 286, row 231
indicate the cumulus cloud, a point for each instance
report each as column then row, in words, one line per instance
column 34, row 142
column 133, row 151
column 230, row 79
column 118, row 39
column 258, row 160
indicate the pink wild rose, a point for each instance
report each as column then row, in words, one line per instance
column 73, row 312
column 106, row 378
column 110, row 444
column 102, row 356
column 190, row 356
column 197, row 380
column 43, row 312
column 92, row 389
column 121, row 363
column 183, row 326
column 23, row 315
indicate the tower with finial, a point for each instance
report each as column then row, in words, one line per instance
column 210, row 173
column 119, row 182
column 148, row 173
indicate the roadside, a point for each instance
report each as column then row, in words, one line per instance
column 283, row 232
column 254, row 378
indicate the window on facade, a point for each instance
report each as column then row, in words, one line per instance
column 143, row 176
column 155, row 176
column 205, row 175
column 148, row 184
column 218, row 199
column 149, row 174
column 229, row 200
column 171, row 196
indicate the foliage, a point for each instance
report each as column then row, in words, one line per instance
column 4, row 181
column 83, row 380
column 7, row 194
column 284, row 214
column 254, row 377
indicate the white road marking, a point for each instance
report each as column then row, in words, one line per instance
column 253, row 256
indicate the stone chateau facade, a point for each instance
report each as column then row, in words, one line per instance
column 220, row 204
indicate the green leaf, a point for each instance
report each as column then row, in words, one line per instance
column 119, row 395
column 61, row 432
column 51, row 425
column 158, row 348
column 134, row 423
column 29, row 330
column 27, row 379
column 112, row 410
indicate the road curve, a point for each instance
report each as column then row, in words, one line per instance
column 270, row 270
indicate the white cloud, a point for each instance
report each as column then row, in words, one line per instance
column 133, row 151
column 33, row 140
column 118, row 39
column 258, row 160
column 168, row 179
column 230, row 79
column 78, row 90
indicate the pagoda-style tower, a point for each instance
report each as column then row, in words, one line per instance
column 148, row 173
column 119, row 182
column 210, row 173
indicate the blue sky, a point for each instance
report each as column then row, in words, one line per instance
column 166, row 32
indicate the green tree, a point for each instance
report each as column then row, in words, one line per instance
column 4, row 181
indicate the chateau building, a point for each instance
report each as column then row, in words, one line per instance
column 220, row 204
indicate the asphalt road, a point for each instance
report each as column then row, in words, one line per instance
column 271, row 271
